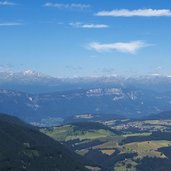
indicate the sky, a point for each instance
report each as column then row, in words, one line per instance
column 77, row 38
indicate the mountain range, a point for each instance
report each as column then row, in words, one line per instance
column 37, row 98
column 35, row 82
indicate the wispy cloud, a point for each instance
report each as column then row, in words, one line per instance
column 10, row 24
column 125, row 47
column 136, row 13
column 6, row 3
column 67, row 6
column 88, row 26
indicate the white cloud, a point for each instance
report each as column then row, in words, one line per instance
column 88, row 26
column 125, row 47
column 10, row 24
column 136, row 13
column 6, row 3
column 67, row 6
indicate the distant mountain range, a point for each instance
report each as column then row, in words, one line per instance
column 34, row 82
column 133, row 103
column 36, row 97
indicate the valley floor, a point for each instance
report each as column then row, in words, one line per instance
column 119, row 145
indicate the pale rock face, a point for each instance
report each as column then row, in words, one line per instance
column 103, row 92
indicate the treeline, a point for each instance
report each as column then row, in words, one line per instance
column 154, row 136
column 154, row 163
column 85, row 126
column 107, row 162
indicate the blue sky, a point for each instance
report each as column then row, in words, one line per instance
column 66, row 38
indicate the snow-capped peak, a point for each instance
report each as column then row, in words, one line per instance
column 32, row 73
column 156, row 75
column 27, row 75
column 28, row 72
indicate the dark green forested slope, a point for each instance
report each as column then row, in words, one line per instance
column 23, row 147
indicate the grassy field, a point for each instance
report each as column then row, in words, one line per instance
column 108, row 152
column 143, row 149
column 92, row 139
column 146, row 148
column 68, row 132
column 110, row 144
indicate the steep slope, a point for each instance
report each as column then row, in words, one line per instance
column 23, row 147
